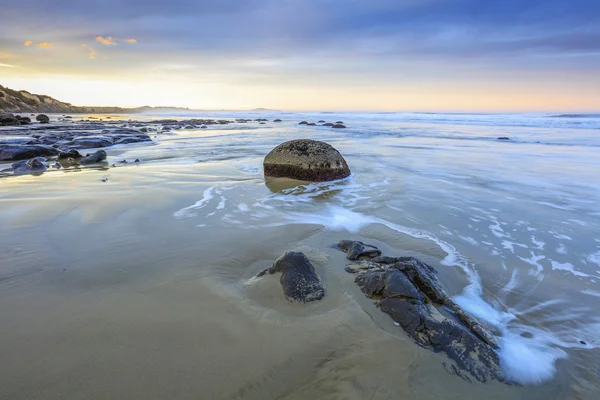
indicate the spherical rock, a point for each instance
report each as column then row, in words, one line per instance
column 42, row 119
column 307, row 160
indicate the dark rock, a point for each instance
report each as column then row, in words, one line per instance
column 71, row 153
column 303, row 123
column 299, row 279
column 328, row 124
column 97, row 157
column 35, row 166
column 133, row 139
column 356, row 250
column 405, row 289
column 262, row 123
column 311, row 124
column 144, row 130
column 203, row 127
column 24, row 152
column 340, row 122
column 321, row 121
column 339, row 126
column 503, row 138
column 91, row 142
column 307, row 160
column 42, row 119
column 9, row 120
column 137, row 160
column 276, row 120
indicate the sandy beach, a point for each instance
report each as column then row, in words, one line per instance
column 136, row 281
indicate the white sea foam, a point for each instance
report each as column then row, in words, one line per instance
column 188, row 211
column 567, row 267
column 561, row 249
column 594, row 258
column 538, row 243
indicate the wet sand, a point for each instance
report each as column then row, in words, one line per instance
column 106, row 293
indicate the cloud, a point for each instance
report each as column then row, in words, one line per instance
column 131, row 41
column 28, row 43
column 92, row 53
column 45, row 45
column 107, row 41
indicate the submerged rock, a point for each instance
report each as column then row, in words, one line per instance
column 34, row 166
column 97, row 157
column 299, row 280
column 503, row 138
column 307, row 160
column 339, row 126
column 328, row 124
column 408, row 291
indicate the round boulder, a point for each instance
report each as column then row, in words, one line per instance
column 42, row 119
column 306, row 160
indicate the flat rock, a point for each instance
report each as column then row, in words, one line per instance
column 13, row 152
column 307, row 160
column 95, row 158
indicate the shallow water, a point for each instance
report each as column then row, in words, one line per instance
column 140, row 286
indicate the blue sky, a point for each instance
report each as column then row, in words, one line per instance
column 307, row 54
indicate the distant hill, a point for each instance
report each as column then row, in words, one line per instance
column 21, row 101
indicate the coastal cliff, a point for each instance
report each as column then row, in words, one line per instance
column 21, row 101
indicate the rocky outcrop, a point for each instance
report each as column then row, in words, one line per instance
column 307, row 160
column 299, row 280
column 408, row 291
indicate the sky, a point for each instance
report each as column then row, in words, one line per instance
column 375, row 55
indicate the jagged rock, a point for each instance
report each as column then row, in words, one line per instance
column 406, row 289
column 12, row 152
column 97, row 157
column 355, row 250
column 42, row 119
column 299, row 280
column 307, row 160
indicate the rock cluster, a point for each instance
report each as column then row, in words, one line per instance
column 407, row 290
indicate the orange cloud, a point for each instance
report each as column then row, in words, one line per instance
column 45, row 45
column 92, row 52
column 28, row 43
column 131, row 41
column 107, row 41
